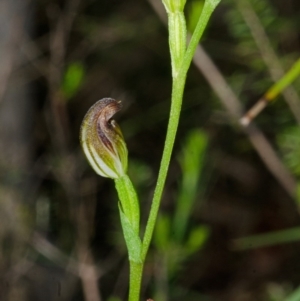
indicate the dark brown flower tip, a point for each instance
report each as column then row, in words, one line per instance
column 102, row 140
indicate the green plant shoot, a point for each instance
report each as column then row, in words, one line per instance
column 104, row 146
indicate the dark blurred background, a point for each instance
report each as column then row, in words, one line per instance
column 60, row 235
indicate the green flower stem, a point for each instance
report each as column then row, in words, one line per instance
column 136, row 271
column 130, row 207
column 177, row 94
column 181, row 61
column 129, row 201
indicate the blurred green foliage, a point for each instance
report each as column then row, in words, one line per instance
column 289, row 143
column 240, row 30
column 191, row 162
column 73, row 79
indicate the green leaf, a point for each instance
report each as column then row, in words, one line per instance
column 197, row 238
column 133, row 242
column 72, row 79
column 129, row 201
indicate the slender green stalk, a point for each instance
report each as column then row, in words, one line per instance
column 177, row 94
column 135, row 276
column 130, row 208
